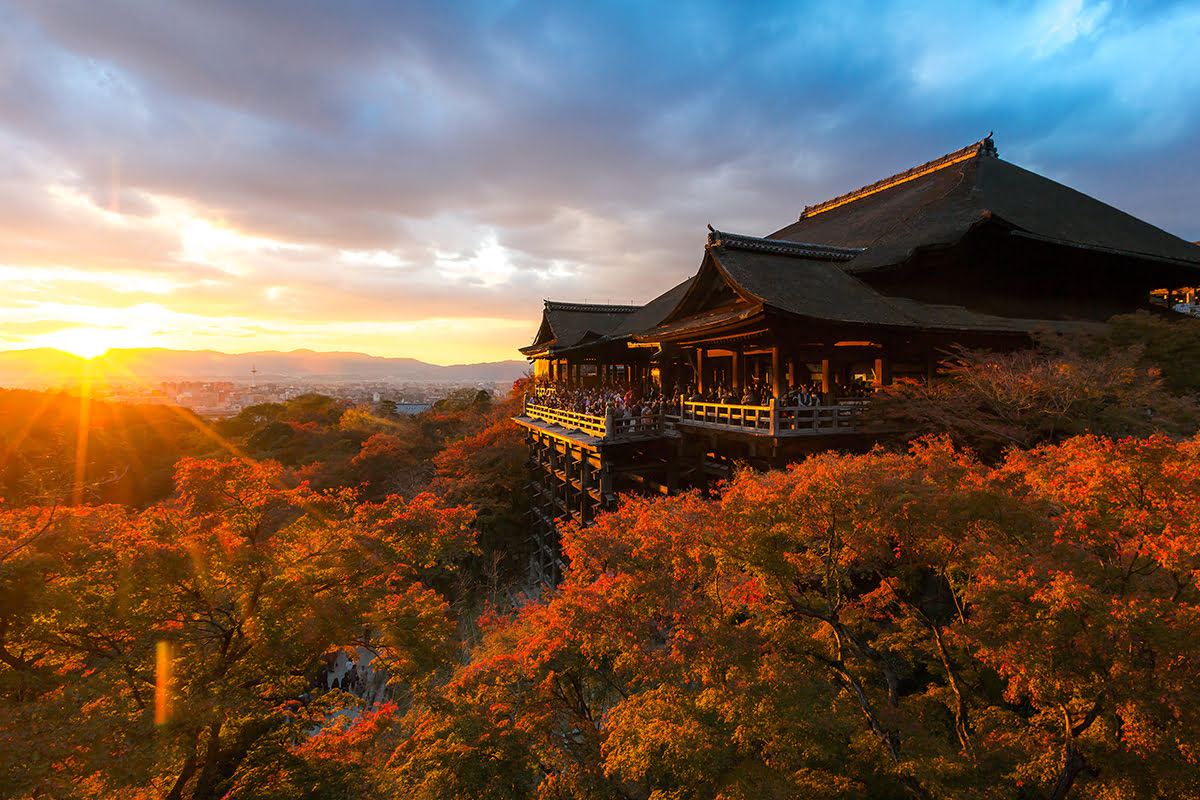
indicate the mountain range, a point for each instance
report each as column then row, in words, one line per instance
column 45, row 364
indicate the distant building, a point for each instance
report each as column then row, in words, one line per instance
column 868, row 286
column 409, row 409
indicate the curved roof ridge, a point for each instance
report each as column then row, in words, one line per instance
column 817, row 252
column 599, row 308
column 984, row 146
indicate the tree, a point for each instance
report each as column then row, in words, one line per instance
column 237, row 588
column 1070, row 386
column 884, row 625
column 1092, row 618
column 1169, row 346
column 487, row 472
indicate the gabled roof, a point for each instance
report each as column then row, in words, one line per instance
column 653, row 312
column 939, row 202
column 566, row 325
column 809, row 282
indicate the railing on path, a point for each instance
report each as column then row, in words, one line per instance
column 773, row 419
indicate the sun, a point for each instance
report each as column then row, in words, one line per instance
column 88, row 342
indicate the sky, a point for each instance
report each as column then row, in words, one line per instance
column 413, row 179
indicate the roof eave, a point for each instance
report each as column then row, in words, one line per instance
column 1178, row 262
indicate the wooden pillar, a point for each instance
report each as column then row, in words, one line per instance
column 883, row 370
column 777, row 386
column 791, row 371
column 826, row 377
column 737, row 365
column 585, row 486
column 699, row 369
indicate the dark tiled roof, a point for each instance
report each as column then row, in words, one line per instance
column 821, row 290
column 573, row 323
column 940, row 202
column 653, row 312
column 807, row 287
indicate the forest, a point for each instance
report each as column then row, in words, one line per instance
column 1001, row 601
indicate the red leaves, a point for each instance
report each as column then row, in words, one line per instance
column 860, row 606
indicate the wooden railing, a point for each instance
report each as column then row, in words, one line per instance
column 727, row 415
column 634, row 426
column 584, row 423
column 774, row 420
column 611, row 425
column 768, row 420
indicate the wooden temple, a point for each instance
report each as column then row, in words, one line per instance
column 873, row 285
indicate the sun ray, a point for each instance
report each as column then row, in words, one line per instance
column 83, row 433
column 184, row 414
column 13, row 447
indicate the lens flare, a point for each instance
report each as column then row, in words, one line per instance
column 163, row 680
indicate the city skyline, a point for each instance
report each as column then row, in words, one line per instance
column 404, row 181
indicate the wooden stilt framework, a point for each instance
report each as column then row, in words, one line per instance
column 567, row 480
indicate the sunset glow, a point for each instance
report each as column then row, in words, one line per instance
column 87, row 342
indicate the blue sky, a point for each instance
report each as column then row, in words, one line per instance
column 413, row 179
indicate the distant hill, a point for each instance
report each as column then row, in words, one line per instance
column 45, row 364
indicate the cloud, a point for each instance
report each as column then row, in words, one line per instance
column 392, row 161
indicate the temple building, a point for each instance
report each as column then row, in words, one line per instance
column 775, row 344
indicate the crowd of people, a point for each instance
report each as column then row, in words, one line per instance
column 628, row 400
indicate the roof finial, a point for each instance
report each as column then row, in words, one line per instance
column 987, row 146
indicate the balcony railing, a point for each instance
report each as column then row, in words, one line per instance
column 774, row 420
column 768, row 420
column 610, row 426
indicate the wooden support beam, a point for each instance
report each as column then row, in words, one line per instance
column 777, row 387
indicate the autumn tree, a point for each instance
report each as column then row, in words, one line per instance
column 1067, row 386
column 185, row 632
column 487, row 472
column 882, row 625
column 1169, row 344
column 59, row 448
column 1092, row 617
